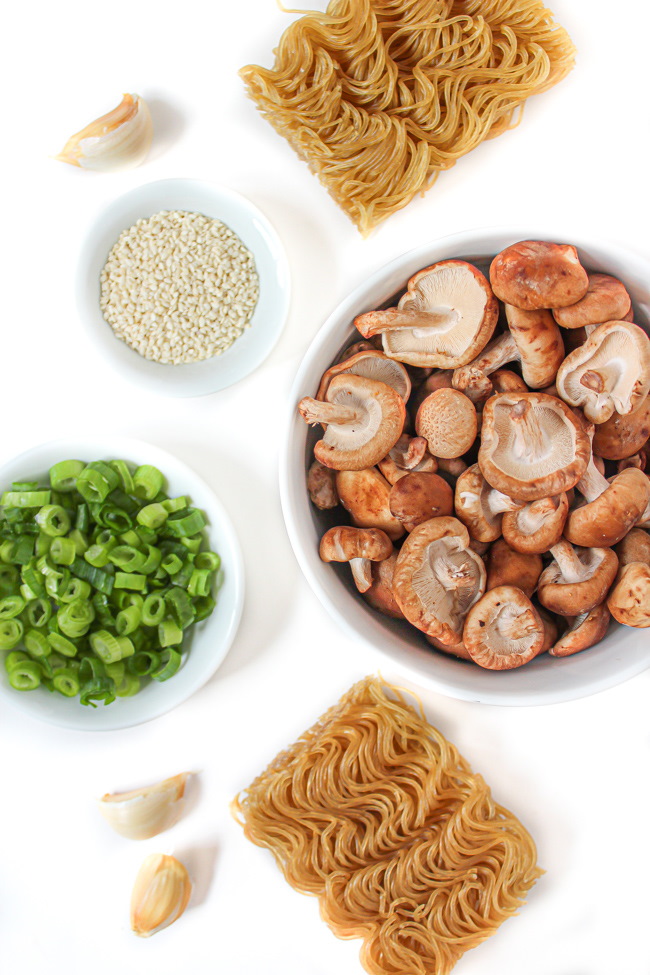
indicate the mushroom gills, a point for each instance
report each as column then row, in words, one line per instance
column 449, row 578
column 532, row 444
column 512, row 631
column 352, row 436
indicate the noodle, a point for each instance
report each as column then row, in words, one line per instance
column 379, row 96
column 373, row 811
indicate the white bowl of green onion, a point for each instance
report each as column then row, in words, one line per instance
column 121, row 583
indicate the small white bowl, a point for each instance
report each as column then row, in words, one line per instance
column 210, row 639
column 269, row 317
column 546, row 680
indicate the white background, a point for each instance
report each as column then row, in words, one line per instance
column 576, row 774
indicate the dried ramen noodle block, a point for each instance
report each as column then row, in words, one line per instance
column 379, row 96
column 373, row 811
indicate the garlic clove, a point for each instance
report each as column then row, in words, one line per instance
column 161, row 893
column 118, row 140
column 143, row 813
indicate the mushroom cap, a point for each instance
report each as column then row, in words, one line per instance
column 380, row 415
column 567, row 598
column 538, row 526
column 365, row 496
column 606, row 520
column 606, row 300
column 550, row 627
column 503, row 630
column 535, row 274
column 622, row 436
column 343, row 543
column 321, row 484
column 453, row 649
column 539, row 342
column 584, row 631
column 609, row 373
column 532, row 445
column 380, row 594
column 635, row 547
column 447, row 421
column 437, row 578
column 418, row 497
column 506, row 567
column 445, row 318
column 372, row 364
column 629, row 600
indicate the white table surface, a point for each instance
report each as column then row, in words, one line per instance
column 576, row 774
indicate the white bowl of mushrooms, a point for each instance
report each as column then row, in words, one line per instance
column 468, row 492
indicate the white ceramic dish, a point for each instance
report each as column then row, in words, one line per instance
column 210, row 640
column 546, row 680
column 257, row 341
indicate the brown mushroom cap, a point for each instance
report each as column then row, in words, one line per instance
column 609, row 373
column 372, row 364
column 623, row 436
column 584, row 631
column 550, row 628
column 321, row 484
column 629, row 599
column 447, row 421
column 479, row 506
column 437, row 578
column 363, row 419
column 532, row 445
column 607, row 518
column 453, row 649
column 538, row 526
column 635, row 547
column 503, row 630
column 445, row 318
column 380, row 594
column 606, row 300
column 418, row 497
column 365, row 495
column 506, row 567
column 507, row 381
column 359, row 547
column 577, row 579
column 535, row 274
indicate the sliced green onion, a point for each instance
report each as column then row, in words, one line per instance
column 128, row 686
column 37, row 644
column 98, row 578
column 75, row 618
column 143, row 663
column 189, row 524
column 169, row 633
column 171, row 564
column 25, row 499
column 92, row 486
column 199, row 584
column 66, row 682
column 128, row 620
column 53, row 520
column 153, row 610
column 175, row 504
column 130, row 580
column 152, row 515
column 147, row 482
column 61, row 644
column 180, row 607
column 63, row 551
column 11, row 606
column 14, row 658
column 126, row 478
column 170, row 662
column 11, row 633
column 38, row 612
column 63, row 476
column 25, row 676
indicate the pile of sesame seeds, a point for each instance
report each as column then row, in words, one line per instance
column 179, row 287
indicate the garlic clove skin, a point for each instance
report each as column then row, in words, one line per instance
column 118, row 140
column 161, row 893
column 143, row 813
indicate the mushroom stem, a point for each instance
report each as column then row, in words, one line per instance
column 451, row 576
column 362, row 573
column 515, row 625
column 528, row 435
column 592, row 380
column 592, row 483
column 533, row 515
column 315, row 411
column 497, row 502
column 472, row 378
column 570, row 565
